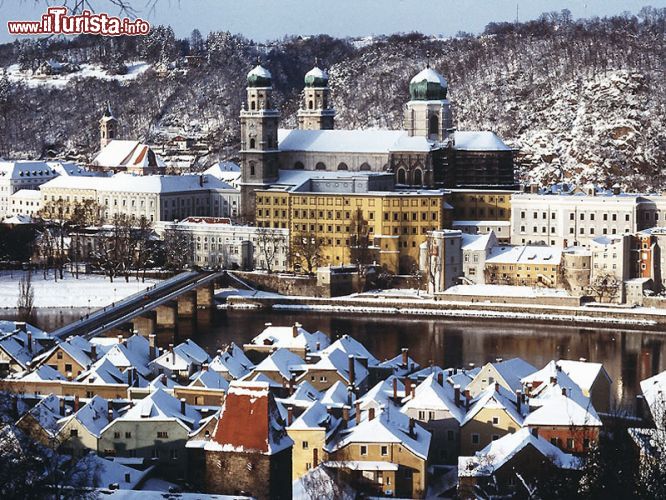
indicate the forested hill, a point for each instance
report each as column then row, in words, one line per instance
column 583, row 100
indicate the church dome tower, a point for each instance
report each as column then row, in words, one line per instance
column 428, row 113
column 108, row 127
column 259, row 138
column 316, row 112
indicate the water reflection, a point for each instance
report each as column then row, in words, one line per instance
column 629, row 356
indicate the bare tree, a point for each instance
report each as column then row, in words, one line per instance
column 360, row 243
column 26, row 297
column 605, row 287
column 433, row 263
column 178, row 249
column 144, row 250
column 271, row 243
column 306, row 250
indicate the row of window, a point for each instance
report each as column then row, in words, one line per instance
column 572, row 216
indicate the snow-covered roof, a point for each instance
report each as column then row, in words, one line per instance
column 429, row 395
column 386, row 427
column 249, row 422
column 524, row 255
column 496, row 398
column 159, row 405
column 338, row 360
column 654, row 391
column 232, row 361
column 350, row 345
column 314, row 417
column 47, row 414
column 317, row 72
column 304, row 395
column 27, row 194
column 124, row 182
column 130, row 154
column 279, row 361
column 561, row 410
column 94, row 415
column 184, row 356
column 397, row 366
column 381, row 394
column 210, row 380
column 339, row 141
column 112, row 472
column 550, row 382
column 431, row 76
column 474, row 242
column 42, row 373
column 478, row 141
column 26, row 169
column 606, row 240
column 337, row 395
column 513, row 370
column 103, row 372
column 583, row 373
column 259, row 70
column 290, row 337
column 491, row 458
column 133, row 352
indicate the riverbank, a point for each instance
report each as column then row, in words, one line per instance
column 90, row 291
column 637, row 317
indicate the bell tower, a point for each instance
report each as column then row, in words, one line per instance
column 108, row 127
column 316, row 112
column 428, row 112
column 259, row 139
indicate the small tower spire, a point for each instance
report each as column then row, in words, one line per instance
column 427, row 58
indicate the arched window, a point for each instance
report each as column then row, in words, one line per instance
column 418, row 177
column 401, row 176
column 365, row 166
column 251, row 168
column 320, row 166
column 252, row 143
column 433, row 125
column 343, row 166
column 299, row 166
column 111, row 133
column 310, row 104
column 253, row 106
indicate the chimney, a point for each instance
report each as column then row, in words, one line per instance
column 62, row 407
column 109, row 414
column 564, row 391
column 553, row 380
column 408, row 386
column 529, row 388
column 395, row 389
column 371, row 413
column 350, row 394
column 535, row 431
column 30, row 342
column 204, row 367
column 182, row 406
column 468, row 398
column 456, row 394
column 292, row 383
column 345, row 415
column 173, row 355
column 352, row 373
column 357, row 411
column 413, row 391
column 440, row 379
column 405, row 356
column 329, row 410
column 93, row 352
column 499, row 360
column 558, row 368
column 519, row 399
column 582, row 360
column 497, row 386
column 318, row 346
column 21, row 326
column 76, row 403
column 412, row 432
column 294, row 329
column 120, row 339
column 152, row 343
column 290, row 415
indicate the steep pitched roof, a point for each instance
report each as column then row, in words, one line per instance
column 94, row 415
column 184, row 355
column 654, row 391
column 339, row 361
column 350, row 345
column 497, row 398
column 232, row 361
column 429, row 395
column 47, row 414
column 584, row 373
column 564, row 411
column 291, row 337
column 249, row 422
column 501, row 451
column 513, row 370
column 159, row 405
column 210, row 379
column 279, row 361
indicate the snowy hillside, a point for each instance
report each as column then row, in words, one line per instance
column 582, row 100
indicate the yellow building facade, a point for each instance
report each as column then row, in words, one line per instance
column 396, row 223
column 481, row 204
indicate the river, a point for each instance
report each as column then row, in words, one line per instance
column 628, row 355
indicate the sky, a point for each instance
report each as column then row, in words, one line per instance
column 263, row 20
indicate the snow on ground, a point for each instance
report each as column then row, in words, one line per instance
column 506, row 291
column 14, row 73
column 90, row 290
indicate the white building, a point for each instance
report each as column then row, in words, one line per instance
column 572, row 219
column 24, row 202
column 475, row 251
column 21, row 175
column 157, row 197
column 611, row 256
column 219, row 243
column 440, row 259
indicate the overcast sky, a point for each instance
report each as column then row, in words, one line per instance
column 270, row 19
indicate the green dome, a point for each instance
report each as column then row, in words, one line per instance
column 428, row 85
column 316, row 77
column 259, row 77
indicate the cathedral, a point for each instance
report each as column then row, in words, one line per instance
column 428, row 153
